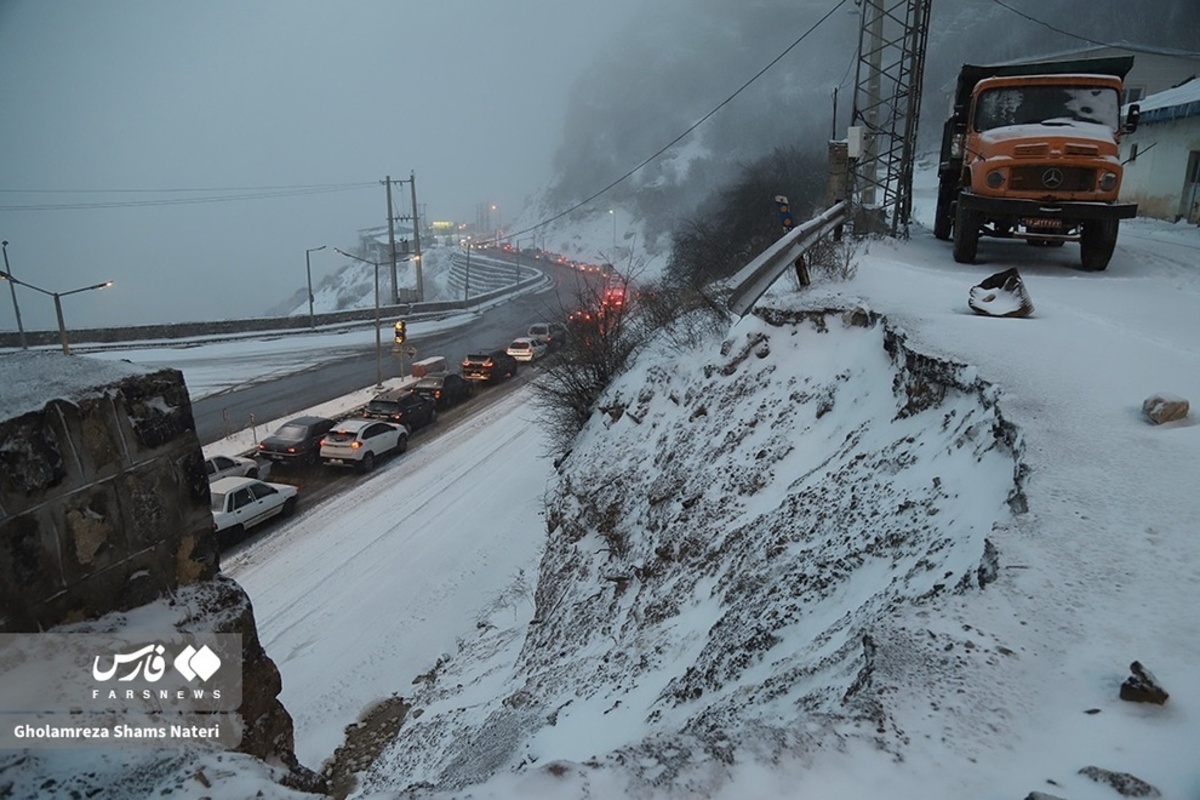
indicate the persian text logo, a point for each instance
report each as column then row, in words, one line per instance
column 148, row 662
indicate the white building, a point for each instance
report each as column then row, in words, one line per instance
column 1162, row 157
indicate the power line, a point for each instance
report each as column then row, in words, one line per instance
column 694, row 126
column 248, row 193
column 1051, row 27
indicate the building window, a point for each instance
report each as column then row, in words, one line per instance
column 1132, row 94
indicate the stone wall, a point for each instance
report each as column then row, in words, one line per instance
column 104, row 506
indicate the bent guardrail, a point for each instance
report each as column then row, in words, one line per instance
column 752, row 280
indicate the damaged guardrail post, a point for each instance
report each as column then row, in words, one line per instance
column 755, row 278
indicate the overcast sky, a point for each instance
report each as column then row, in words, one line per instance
column 469, row 95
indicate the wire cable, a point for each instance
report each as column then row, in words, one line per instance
column 1033, row 19
column 248, row 193
column 683, row 135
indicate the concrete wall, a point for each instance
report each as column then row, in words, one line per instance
column 299, row 324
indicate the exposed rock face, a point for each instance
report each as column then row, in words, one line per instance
column 105, row 508
column 1142, row 686
column 1160, row 408
column 1125, row 784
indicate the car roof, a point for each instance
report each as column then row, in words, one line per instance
column 354, row 425
column 227, row 485
column 392, row 395
column 307, row 420
column 522, row 340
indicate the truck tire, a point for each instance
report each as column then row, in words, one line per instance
column 1097, row 241
column 943, row 218
column 966, row 235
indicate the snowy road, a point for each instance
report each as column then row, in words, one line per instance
column 358, row 597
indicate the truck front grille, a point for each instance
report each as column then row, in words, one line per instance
column 1054, row 179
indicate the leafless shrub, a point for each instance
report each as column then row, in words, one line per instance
column 834, row 260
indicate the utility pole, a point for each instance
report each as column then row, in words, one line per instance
column 392, row 239
column 412, row 181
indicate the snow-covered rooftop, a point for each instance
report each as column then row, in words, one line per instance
column 1176, row 103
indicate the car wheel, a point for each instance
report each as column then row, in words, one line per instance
column 402, row 445
column 252, row 473
column 289, row 506
column 368, row 462
column 432, row 416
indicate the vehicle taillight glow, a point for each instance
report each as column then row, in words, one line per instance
column 291, row 449
column 355, row 445
column 322, row 443
column 437, row 394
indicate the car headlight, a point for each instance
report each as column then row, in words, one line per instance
column 995, row 179
column 1108, row 181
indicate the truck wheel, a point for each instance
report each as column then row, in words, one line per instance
column 943, row 218
column 1097, row 241
column 966, row 234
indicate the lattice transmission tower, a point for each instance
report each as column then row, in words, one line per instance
column 887, row 103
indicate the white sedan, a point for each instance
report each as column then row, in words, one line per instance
column 219, row 467
column 527, row 348
column 359, row 442
column 241, row 503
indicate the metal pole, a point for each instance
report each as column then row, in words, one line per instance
column 312, row 317
column 392, row 239
column 378, row 336
column 518, row 249
column 12, row 287
column 312, row 320
column 412, row 179
column 62, row 327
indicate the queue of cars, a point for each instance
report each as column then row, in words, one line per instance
column 241, row 500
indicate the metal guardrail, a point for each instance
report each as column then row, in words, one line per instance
column 753, row 280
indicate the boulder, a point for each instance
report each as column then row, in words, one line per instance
column 1126, row 785
column 1160, row 408
column 1142, row 686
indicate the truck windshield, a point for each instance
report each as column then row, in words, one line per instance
column 1047, row 105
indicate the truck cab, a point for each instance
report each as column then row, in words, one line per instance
column 1031, row 152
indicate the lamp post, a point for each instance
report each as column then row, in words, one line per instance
column 613, row 214
column 12, row 287
column 312, row 318
column 467, row 280
column 62, row 328
column 378, row 335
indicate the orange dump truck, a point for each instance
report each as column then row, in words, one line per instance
column 1030, row 152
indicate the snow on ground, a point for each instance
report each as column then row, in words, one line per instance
column 435, row 555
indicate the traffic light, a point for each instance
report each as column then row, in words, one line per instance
column 785, row 212
column 401, row 331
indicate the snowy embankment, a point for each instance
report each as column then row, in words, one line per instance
column 725, row 544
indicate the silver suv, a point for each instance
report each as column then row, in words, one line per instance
column 549, row 332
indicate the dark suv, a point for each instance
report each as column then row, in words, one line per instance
column 491, row 367
column 403, row 406
column 444, row 390
column 298, row 441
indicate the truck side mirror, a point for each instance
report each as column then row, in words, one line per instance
column 1131, row 118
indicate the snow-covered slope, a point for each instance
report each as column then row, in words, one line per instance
column 724, row 546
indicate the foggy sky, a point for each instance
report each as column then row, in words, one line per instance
column 225, row 94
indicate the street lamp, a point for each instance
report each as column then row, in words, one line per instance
column 312, row 319
column 62, row 328
column 378, row 335
column 12, row 287
column 613, row 214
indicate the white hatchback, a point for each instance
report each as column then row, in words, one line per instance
column 360, row 442
column 527, row 348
